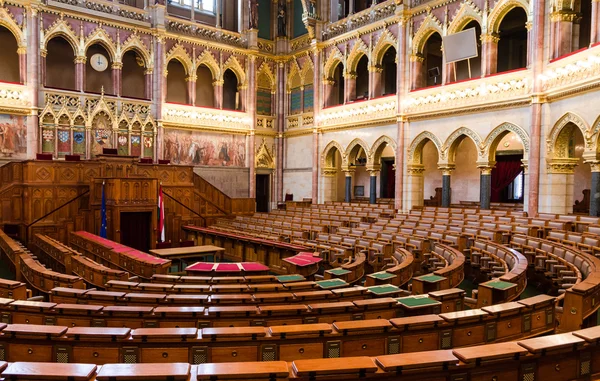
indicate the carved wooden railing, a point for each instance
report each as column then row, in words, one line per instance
column 220, row 200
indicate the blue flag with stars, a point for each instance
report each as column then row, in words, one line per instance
column 103, row 214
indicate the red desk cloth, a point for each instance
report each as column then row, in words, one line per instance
column 254, row 266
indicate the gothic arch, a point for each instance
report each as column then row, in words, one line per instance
column 358, row 51
column 464, row 15
column 449, row 148
column 415, row 150
column 428, row 27
column 207, row 59
column 385, row 41
column 556, row 143
column 335, row 57
column 62, row 29
column 179, row 53
column 500, row 10
column 378, row 146
column 328, row 155
column 493, row 139
column 234, row 65
column 308, row 67
column 7, row 20
column 135, row 43
column 265, row 70
column 100, row 37
column 353, row 145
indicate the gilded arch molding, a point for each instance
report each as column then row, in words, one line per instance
column 378, row 146
column 137, row 45
column 500, row 10
column 449, row 147
column 415, row 150
column 467, row 12
column 207, row 59
column 100, row 37
column 358, row 143
column 328, row 155
column 386, row 40
column 358, row 51
column 7, row 20
column 493, row 139
column 557, row 142
column 429, row 26
column 335, row 57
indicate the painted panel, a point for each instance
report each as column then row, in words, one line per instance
column 202, row 148
column 13, row 136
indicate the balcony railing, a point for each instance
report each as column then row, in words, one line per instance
column 205, row 117
column 503, row 87
column 206, row 32
column 119, row 9
column 14, row 95
column 371, row 111
column 300, row 121
column 575, row 70
column 355, row 21
column 267, row 122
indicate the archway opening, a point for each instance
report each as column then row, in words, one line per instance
column 465, row 177
column 98, row 73
column 582, row 32
column 360, row 186
column 333, row 178
column 133, row 75
column 462, row 67
column 60, row 70
column 431, row 192
column 176, row 84
column 508, row 177
column 205, row 95
column 231, row 95
column 433, row 60
column 389, row 73
column 386, row 158
column 362, row 78
column 578, row 196
column 512, row 46
column 337, row 90
column 9, row 62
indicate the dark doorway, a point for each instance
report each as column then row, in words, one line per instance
column 136, row 230
column 262, row 193
column 387, row 185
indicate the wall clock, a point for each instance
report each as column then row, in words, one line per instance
column 99, row 62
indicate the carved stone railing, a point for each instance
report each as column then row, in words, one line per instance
column 300, row 121
column 266, row 46
column 365, row 112
column 355, row 21
column 206, row 32
column 573, row 72
column 263, row 121
column 13, row 95
column 506, row 87
column 205, row 117
column 300, row 42
column 109, row 7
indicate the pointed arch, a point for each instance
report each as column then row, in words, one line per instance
column 464, row 15
column 385, row 41
column 556, row 143
column 328, row 155
column 136, row 44
column 359, row 50
column 8, row 21
column 495, row 136
column 234, row 65
column 334, row 58
column 378, row 147
column 265, row 71
column 100, row 36
column 449, row 147
column 62, row 29
column 354, row 144
column 428, row 27
column 500, row 10
column 179, row 53
column 307, row 68
column 415, row 150
column 207, row 59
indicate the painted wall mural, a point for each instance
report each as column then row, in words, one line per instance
column 199, row 148
column 13, row 136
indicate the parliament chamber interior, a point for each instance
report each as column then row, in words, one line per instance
column 299, row 190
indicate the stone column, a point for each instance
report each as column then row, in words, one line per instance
column 399, row 163
column 218, row 91
column 417, row 68
column 32, row 80
column 489, row 52
column 594, row 34
column 327, row 92
column 402, row 87
column 446, row 190
column 43, row 54
column 218, row 13
column 485, row 186
column 376, row 84
column 315, row 167
column 595, row 189
column 350, row 88
column 117, row 75
column 251, row 166
column 250, row 108
column 374, row 174
column 537, row 60
column 414, row 185
column 22, row 52
column 561, row 26
column 191, row 89
column 148, row 85
column 350, row 7
column 348, row 187
column 280, row 102
column 159, row 92
column 80, row 73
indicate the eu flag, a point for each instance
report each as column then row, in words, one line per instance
column 103, row 214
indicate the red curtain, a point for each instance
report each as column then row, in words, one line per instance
column 503, row 174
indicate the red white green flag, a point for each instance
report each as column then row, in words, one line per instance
column 161, row 215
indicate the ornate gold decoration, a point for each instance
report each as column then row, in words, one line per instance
column 415, row 169
column 563, row 165
column 415, row 150
column 263, row 157
column 380, row 109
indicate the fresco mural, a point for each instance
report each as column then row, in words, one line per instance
column 199, row 148
column 13, row 136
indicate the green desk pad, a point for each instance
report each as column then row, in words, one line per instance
column 500, row 285
column 411, row 301
column 430, row 278
column 331, row 283
column 339, row 271
column 290, row 278
column 383, row 289
column 382, row 275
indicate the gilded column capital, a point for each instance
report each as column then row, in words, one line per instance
column 148, row 71
column 117, row 65
column 43, row 52
column 417, row 58
column 191, row 78
column 21, row 50
column 218, row 82
column 446, row 169
column 80, row 60
column 489, row 37
column 375, row 69
column 328, row 171
column 486, row 170
column 415, row 169
column 562, row 166
column 563, row 16
column 528, row 25
column 329, row 82
column 350, row 75
column 594, row 165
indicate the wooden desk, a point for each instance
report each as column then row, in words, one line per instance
column 237, row 370
column 49, row 371
column 191, row 252
column 419, row 305
column 418, row 361
column 144, row 372
column 427, row 283
column 334, row 366
column 489, row 352
column 494, row 292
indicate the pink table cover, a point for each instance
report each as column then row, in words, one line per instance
column 200, row 266
column 254, row 266
column 227, row 267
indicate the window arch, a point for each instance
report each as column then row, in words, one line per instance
column 231, row 94
column 133, row 75
column 60, row 71
column 9, row 64
column 95, row 80
column 176, row 84
column 512, row 46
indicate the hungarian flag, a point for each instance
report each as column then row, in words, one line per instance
column 103, row 214
column 161, row 215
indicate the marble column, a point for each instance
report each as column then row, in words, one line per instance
column 402, row 88
column 32, row 80
column 350, row 88
column 561, row 26
column 348, row 187
column 251, row 165
column 537, row 60
column 250, row 108
column 489, row 51
column 218, row 91
column 417, row 68
column 117, row 75
column 595, row 189
column 399, row 164
column 280, row 107
column 446, row 190
column 218, row 13
column 43, row 54
column 374, row 174
column 159, row 92
column 148, row 85
column 376, row 84
column 315, row 167
column 485, row 187
column 22, row 52
column 350, row 7
column 191, row 89
column 80, row 73
column 594, row 34
column 327, row 92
